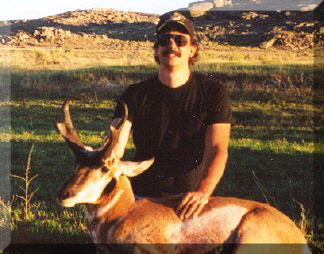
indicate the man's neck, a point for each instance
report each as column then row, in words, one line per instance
column 174, row 77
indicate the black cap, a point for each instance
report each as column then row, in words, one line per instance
column 174, row 19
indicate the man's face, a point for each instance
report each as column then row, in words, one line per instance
column 174, row 49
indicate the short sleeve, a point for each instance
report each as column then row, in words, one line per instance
column 127, row 97
column 219, row 106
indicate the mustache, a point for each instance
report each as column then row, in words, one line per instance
column 167, row 52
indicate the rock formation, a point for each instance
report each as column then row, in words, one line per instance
column 107, row 28
column 201, row 7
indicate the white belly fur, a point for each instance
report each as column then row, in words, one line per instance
column 214, row 226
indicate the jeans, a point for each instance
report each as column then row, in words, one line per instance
column 156, row 186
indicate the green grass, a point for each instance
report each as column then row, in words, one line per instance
column 92, row 82
column 271, row 152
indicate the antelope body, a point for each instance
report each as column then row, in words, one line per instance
column 115, row 218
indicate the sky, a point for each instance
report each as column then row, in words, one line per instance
column 32, row 9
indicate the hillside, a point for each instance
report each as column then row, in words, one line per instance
column 107, row 29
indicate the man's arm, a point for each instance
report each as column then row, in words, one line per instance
column 214, row 161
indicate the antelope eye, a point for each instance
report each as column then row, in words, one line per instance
column 104, row 169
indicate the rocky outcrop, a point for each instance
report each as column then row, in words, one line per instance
column 111, row 29
column 200, row 8
column 221, row 3
column 51, row 33
column 197, row 9
column 256, row 5
column 287, row 30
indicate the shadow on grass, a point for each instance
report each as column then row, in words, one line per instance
column 263, row 83
column 81, row 83
column 278, row 179
column 25, row 235
column 40, row 119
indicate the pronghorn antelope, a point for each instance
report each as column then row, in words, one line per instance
column 115, row 218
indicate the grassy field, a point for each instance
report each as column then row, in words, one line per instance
column 273, row 150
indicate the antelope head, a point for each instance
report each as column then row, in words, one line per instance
column 95, row 168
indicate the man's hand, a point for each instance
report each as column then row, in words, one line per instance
column 192, row 204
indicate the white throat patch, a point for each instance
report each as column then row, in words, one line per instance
column 101, row 211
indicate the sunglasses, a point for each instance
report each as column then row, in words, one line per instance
column 165, row 39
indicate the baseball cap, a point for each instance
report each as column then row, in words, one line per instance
column 175, row 19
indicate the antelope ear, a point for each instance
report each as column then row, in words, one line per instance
column 131, row 169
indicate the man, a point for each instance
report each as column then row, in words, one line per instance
column 180, row 118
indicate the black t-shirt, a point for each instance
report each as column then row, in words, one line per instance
column 170, row 123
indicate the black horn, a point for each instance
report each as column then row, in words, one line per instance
column 115, row 134
column 67, row 130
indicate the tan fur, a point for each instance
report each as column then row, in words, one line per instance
column 155, row 221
